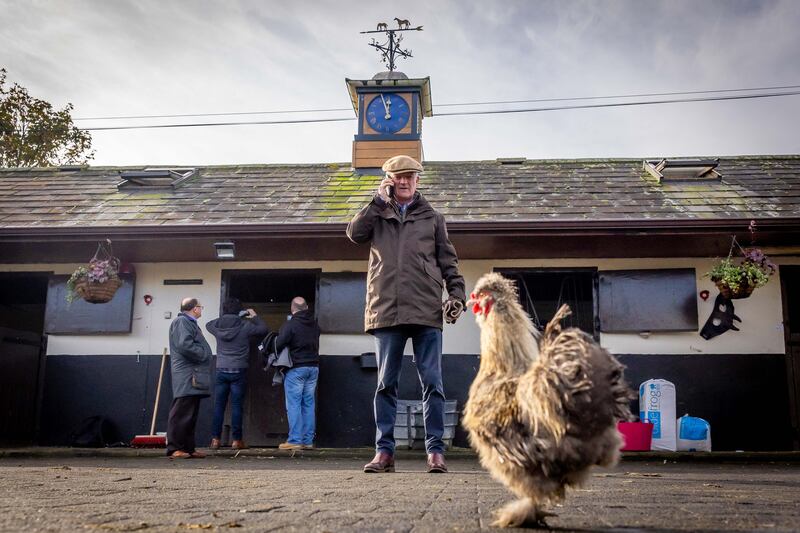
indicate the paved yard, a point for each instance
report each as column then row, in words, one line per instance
column 314, row 493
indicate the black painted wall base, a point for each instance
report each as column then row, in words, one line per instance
column 744, row 397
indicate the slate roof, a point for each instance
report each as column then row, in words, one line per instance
column 533, row 190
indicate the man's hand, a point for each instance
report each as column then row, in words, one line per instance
column 251, row 313
column 384, row 189
column 452, row 309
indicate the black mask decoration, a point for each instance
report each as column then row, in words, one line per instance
column 721, row 319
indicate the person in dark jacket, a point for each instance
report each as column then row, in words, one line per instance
column 301, row 335
column 190, row 365
column 233, row 331
column 411, row 263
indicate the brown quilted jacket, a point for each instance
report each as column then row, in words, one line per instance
column 411, row 261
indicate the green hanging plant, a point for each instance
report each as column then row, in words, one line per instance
column 739, row 277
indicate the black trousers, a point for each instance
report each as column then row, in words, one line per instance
column 181, row 424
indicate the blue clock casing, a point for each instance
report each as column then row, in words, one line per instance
column 387, row 113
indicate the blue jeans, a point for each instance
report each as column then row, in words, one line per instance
column 300, row 385
column 236, row 385
column 427, row 343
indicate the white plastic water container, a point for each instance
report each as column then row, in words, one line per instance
column 657, row 406
column 694, row 434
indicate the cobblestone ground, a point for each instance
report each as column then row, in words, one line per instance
column 280, row 493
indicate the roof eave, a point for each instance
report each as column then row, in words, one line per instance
column 336, row 229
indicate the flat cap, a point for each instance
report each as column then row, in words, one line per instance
column 401, row 163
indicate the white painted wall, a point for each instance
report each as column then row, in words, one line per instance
column 761, row 330
column 761, row 314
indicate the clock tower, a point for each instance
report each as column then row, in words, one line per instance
column 390, row 108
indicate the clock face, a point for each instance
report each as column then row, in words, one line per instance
column 388, row 113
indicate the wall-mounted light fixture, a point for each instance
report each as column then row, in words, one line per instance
column 225, row 249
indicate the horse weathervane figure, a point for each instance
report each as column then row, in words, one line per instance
column 391, row 48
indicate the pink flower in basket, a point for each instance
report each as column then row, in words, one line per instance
column 100, row 271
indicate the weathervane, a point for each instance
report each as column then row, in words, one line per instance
column 391, row 48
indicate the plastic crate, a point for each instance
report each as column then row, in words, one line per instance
column 409, row 428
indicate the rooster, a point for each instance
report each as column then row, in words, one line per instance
column 540, row 419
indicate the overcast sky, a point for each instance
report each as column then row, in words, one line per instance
column 114, row 57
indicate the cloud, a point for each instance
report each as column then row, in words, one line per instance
column 152, row 57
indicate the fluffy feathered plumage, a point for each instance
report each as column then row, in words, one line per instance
column 540, row 417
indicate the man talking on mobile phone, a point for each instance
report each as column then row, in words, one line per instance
column 411, row 262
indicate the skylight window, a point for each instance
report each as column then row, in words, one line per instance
column 155, row 177
column 683, row 169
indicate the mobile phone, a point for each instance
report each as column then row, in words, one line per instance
column 390, row 189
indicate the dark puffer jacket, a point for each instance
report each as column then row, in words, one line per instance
column 233, row 336
column 301, row 335
column 410, row 257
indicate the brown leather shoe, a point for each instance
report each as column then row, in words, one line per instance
column 289, row 446
column 381, row 463
column 197, row 455
column 436, row 463
column 179, row 454
column 238, row 445
column 214, row 444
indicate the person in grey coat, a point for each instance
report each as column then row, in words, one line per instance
column 233, row 330
column 190, row 364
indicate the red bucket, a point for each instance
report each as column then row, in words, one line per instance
column 637, row 436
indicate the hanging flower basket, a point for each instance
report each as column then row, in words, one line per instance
column 738, row 278
column 98, row 292
column 741, row 291
column 98, row 281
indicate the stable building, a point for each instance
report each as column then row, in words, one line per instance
column 624, row 242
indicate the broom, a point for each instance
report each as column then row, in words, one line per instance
column 152, row 440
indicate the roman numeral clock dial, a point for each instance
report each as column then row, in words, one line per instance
column 388, row 113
